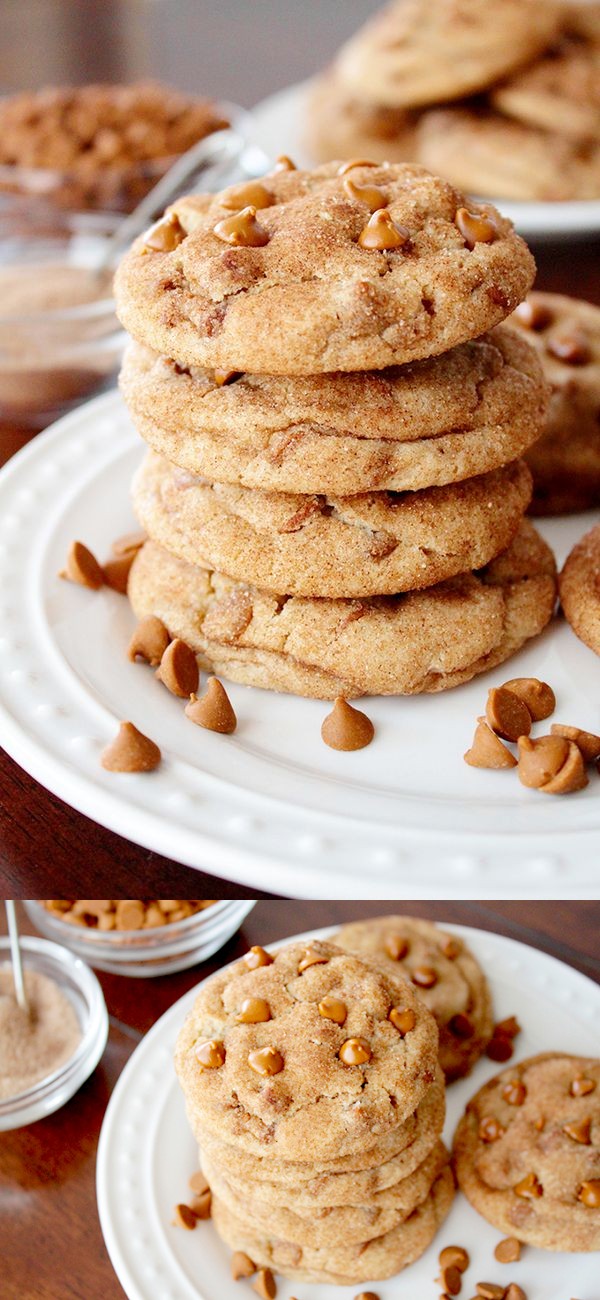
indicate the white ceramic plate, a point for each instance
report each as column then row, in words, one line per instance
column 271, row 806
column 147, row 1153
column 279, row 127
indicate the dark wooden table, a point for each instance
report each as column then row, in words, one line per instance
column 43, row 840
column 52, row 1247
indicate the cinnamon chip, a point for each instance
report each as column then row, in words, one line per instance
column 198, row 1183
column 130, row 751
column 514, row 1092
column 82, row 567
column 490, row 1291
column 508, row 1251
column 573, row 349
column 178, row 669
column 241, row 1265
column 346, row 728
column 580, row 1131
column 381, row 232
column 514, row 1292
column 254, row 1011
column 185, row 1217
column 487, row 750
column 490, row 1129
column 531, row 1188
column 311, row 958
column 374, row 198
column 249, row 192
column 396, row 947
column 424, row 976
column 165, row 236
column 201, row 1205
column 475, row 227
column 284, row 164
column 242, row 229
column 149, row 641
column 507, row 715
column 589, row 1193
column 586, row 741
column 210, row 1054
column 403, row 1019
column 455, row 1256
column 213, row 710
column 355, row 162
column 333, row 1009
column 552, row 764
column 127, row 544
column 536, row 695
column 266, row 1061
column 257, row 957
column 533, row 315
column 265, row 1285
column 499, row 1048
column 116, row 572
column 355, row 1051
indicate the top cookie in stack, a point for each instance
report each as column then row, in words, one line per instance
column 331, row 422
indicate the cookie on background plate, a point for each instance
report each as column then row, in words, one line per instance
column 390, row 645
column 366, row 545
column 312, row 271
column 560, row 92
column 445, row 973
column 565, row 461
column 579, row 589
column 341, row 125
column 527, row 1152
column 417, row 52
column 486, row 153
column 421, row 425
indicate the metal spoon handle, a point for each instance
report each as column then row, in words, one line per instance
column 15, row 952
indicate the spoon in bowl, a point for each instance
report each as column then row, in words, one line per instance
column 15, row 952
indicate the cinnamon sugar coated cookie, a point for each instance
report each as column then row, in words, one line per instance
column 565, row 461
column 579, row 589
column 339, row 124
column 527, row 1155
column 422, row 641
column 331, row 546
column 299, row 289
column 455, row 988
column 425, row 424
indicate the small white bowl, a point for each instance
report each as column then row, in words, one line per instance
column 159, row 951
column 80, row 986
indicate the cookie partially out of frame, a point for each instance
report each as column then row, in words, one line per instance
column 527, row 1152
column 579, row 588
column 297, row 292
column 389, row 645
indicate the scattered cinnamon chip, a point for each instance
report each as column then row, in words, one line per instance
column 514, row 1292
column 185, row 1217
column 82, row 567
column 586, row 741
column 508, row 1251
column 213, row 710
column 149, row 641
column 127, row 544
column 346, row 728
column 499, row 1048
column 265, row 1285
column 490, row 1291
column 241, row 1265
column 201, row 1205
column 510, row 1026
column 130, row 751
column 178, row 669
column 116, row 572
column 536, row 695
column 507, row 715
column 456, row 1256
column 198, row 1183
column 487, row 750
column 552, row 764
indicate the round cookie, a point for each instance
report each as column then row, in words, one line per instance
column 314, row 1106
column 579, row 589
column 418, row 52
column 458, row 994
column 561, row 92
column 340, row 125
column 371, row 1261
column 305, row 295
column 527, row 1147
column 486, row 153
column 582, row 18
column 565, row 461
column 323, row 1228
column 350, row 1180
column 389, row 645
column 432, row 422
column 373, row 544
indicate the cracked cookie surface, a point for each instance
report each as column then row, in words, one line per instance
column 458, row 987
column 390, row 645
column 529, row 1145
column 432, row 422
column 372, row 544
column 311, row 298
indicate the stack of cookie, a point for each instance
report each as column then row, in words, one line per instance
column 503, row 98
column 313, row 1089
column 334, row 496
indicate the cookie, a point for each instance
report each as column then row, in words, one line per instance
column 312, row 1105
column 455, row 988
column 372, row 544
column 565, row 461
column 579, row 589
column 395, row 645
column 349, row 1180
column 340, row 125
column 487, row 153
column 369, row 1261
column 426, row 424
column 418, row 52
column 560, row 92
column 582, row 18
column 527, row 1152
column 307, row 285
column 324, row 1228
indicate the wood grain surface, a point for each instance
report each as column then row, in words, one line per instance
column 52, row 1247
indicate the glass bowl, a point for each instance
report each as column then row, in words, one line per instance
column 53, row 357
column 80, row 986
column 147, row 952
